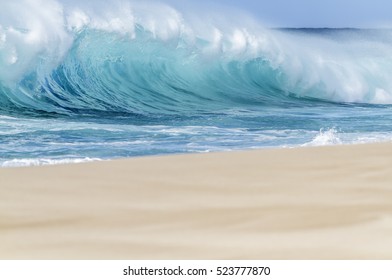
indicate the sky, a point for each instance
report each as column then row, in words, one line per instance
column 310, row 13
column 293, row 13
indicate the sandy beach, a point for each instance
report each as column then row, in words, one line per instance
column 305, row 203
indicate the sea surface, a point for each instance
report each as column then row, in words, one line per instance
column 82, row 83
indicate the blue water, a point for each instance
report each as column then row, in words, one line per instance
column 82, row 83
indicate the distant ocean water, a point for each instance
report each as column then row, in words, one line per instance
column 80, row 83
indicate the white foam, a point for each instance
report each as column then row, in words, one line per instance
column 352, row 71
column 381, row 96
column 32, row 34
column 77, row 20
column 325, row 138
column 45, row 161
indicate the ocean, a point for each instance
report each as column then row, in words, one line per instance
column 82, row 83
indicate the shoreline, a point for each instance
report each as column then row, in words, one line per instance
column 299, row 203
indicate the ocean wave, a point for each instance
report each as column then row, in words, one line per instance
column 149, row 58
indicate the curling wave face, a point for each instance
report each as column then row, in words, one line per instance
column 150, row 58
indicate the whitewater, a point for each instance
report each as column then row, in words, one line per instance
column 82, row 82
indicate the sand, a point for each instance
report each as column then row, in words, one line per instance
column 306, row 203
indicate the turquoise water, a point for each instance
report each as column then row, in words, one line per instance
column 78, row 85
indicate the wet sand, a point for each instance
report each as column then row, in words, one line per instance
column 305, row 203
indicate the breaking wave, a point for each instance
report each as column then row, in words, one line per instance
column 149, row 58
